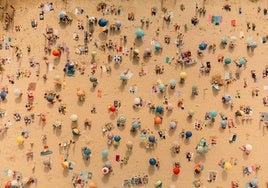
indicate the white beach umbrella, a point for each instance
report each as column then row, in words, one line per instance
column 17, row 92
column 137, row 100
column 73, row 117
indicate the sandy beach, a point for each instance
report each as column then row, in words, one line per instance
column 111, row 94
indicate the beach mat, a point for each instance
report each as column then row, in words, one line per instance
column 32, row 86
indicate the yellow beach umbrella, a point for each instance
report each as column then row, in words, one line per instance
column 228, row 165
column 65, row 164
column 20, row 140
column 183, row 75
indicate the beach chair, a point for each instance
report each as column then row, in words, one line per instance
column 212, row 175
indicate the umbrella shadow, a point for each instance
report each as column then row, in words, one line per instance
column 138, row 42
column 87, row 162
column 224, row 175
column 56, row 61
column 57, row 132
column 199, row 158
column 122, row 87
column 65, row 172
column 174, row 177
column 105, row 178
column 80, row 103
column 18, row 99
column 151, row 170
column 171, row 132
column 171, row 91
column 187, row 141
column 102, row 36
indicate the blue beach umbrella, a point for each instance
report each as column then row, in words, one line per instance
column 223, row 123
column 139, row 33
column 161, row 87
column 227, row 61
column 117, row 138
column 213, row 113
column 172, row 83
column 118, row 24
column 135, row 124
column 188, row 134
column 3, row 95
column 104, row 153
column 62, row 14
column 123, row 76
column 202, row 46
column 102, row 22
column 86, row 151
column 159, row 109
column 242, row 61
column 224, row 41
column 254, row 182
column 151, row 138
column 152, row 161
column 157, row 47
column 107, row 164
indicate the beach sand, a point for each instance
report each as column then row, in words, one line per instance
column 248, row 128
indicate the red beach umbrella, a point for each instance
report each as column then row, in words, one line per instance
column 56, row 52
column 112, row 108
column 176, row 170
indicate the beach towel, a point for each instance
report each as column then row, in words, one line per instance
column 32, row 86
column 209, row 18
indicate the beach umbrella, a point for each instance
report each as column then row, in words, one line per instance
column 118, row 24
column 14, row 184
column 213, row 113
column 112, row 108
column 242, row 61
column 152, row 161
column 56, row 52
column 159, row 109
column 248, row 148
column 117, row 58
column 107, row 164
column 136, row 51
column 194, row 88
column 172, row 83
column 172, row 124
column 110, row 136
column 117, row 138
column 135, row 124
column 157, row 47
column 253, row 45
column 152, row 139
column 123, row 76
column 227, row 98
column 137, row 100
column 199, row 166
column 57, row 77
column 62, row 14
column 223, row 123
column 227, row 165
column 122, row 119
column 158, row 184
column 224, row 41
column 76, row 132
column 139, row 33
column 47, row 162
column 102, row 22
column 227, row 60
column 191, row 112
column 183, row 75
column 148, row 50
column 65, row 164
column 3, row 95
column 92, row 185
column 157, row 120
column 20, row 140
column 254, row 182
column 188, row 134
column 17, row 92
column 129, row 144
column 202, row 46
column 74, row 117
column 104, row 153
column 161, row 87
column 86, row 151
column 105, row 170
column 93, row 54
column 93, row 79
column 176, row 170
column 8, row 184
